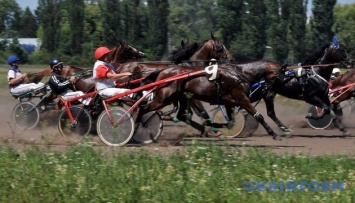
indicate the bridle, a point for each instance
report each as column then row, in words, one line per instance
column 334, row 48
column 218, row 50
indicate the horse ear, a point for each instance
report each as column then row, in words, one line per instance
column 336, row 42
column 120, row 41
column 212, row 36
column 182, row 43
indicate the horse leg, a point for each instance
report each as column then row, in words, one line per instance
column 319, row 103
column 201, row 112
column 185, row 113
column 325, row 104
column 252, row 111
column 270, row 108
column 337, row 120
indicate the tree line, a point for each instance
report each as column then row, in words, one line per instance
column 278, row 30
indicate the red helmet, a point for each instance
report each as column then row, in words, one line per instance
column 100, row 52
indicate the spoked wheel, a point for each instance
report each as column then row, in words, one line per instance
column 322, row 123
column 81, row 125
column 150, row 129
column 119, row 133
column 26, row 115
column 238, row 126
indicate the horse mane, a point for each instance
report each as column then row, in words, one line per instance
column 178, row 56
column 315, row 54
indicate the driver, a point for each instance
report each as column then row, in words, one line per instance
column 16, row 78
column 61, row 85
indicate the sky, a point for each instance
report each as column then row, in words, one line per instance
column 32, row 4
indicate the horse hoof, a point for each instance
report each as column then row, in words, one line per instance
column 347, row 134
column 285, row 129
column 288, row 134
column 277, row 137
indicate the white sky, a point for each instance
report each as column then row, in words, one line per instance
column 32, row 4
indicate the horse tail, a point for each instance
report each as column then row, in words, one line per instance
column 152, row 77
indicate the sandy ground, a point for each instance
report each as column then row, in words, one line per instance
column 304, row 139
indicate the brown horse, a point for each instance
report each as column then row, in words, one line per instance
column 37, row 77
column 231, row 89
column 191, row 55
column 200, row 54
column 347, row 82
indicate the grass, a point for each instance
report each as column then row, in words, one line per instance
column 203, row 173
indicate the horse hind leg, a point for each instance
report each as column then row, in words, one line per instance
column 337, row 121
column 185, row 114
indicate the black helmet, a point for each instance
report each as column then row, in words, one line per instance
column 56, row 65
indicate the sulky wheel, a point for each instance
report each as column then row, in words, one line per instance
column 118, row 133
column 26, row 115
column 322, row 123
column 149, row 129
column 237, row 128
column 81, row 125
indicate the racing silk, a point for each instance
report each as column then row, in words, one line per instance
column 14, row 72
column 100, row 75
column 59, row 84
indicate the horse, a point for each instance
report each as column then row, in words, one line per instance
column 231, row 89
column 200, row 54
column 123, row 53
column 344, row 80
column 204, row 51
column 315, row 89
column 196, row 54
column 37, row 77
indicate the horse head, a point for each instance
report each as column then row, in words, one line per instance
column 202, row 52
column 219, row 51
column 124, row 52
column 329, row 54
column 184, row 52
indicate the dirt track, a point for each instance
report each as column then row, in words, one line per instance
column 305, row 139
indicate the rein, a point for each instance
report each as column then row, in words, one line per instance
column 316, row 65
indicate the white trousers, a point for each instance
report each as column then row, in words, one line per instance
column 109, row 92
column 23, row 88
column 69, row 95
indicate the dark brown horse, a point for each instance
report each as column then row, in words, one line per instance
column 231, row 89
column 315, row 89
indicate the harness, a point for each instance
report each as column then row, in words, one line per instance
column 17, row 71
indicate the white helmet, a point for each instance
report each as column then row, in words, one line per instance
column 336, row 70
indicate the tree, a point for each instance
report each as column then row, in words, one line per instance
column 251, row 40
column 157, row 36
column 321, row 22
column 344, row 25
column 49, row 14
column 111, row 21
column 277, row 28
column 75, row 10
column 28, row 24
column 9, row 18
column 297, row 25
